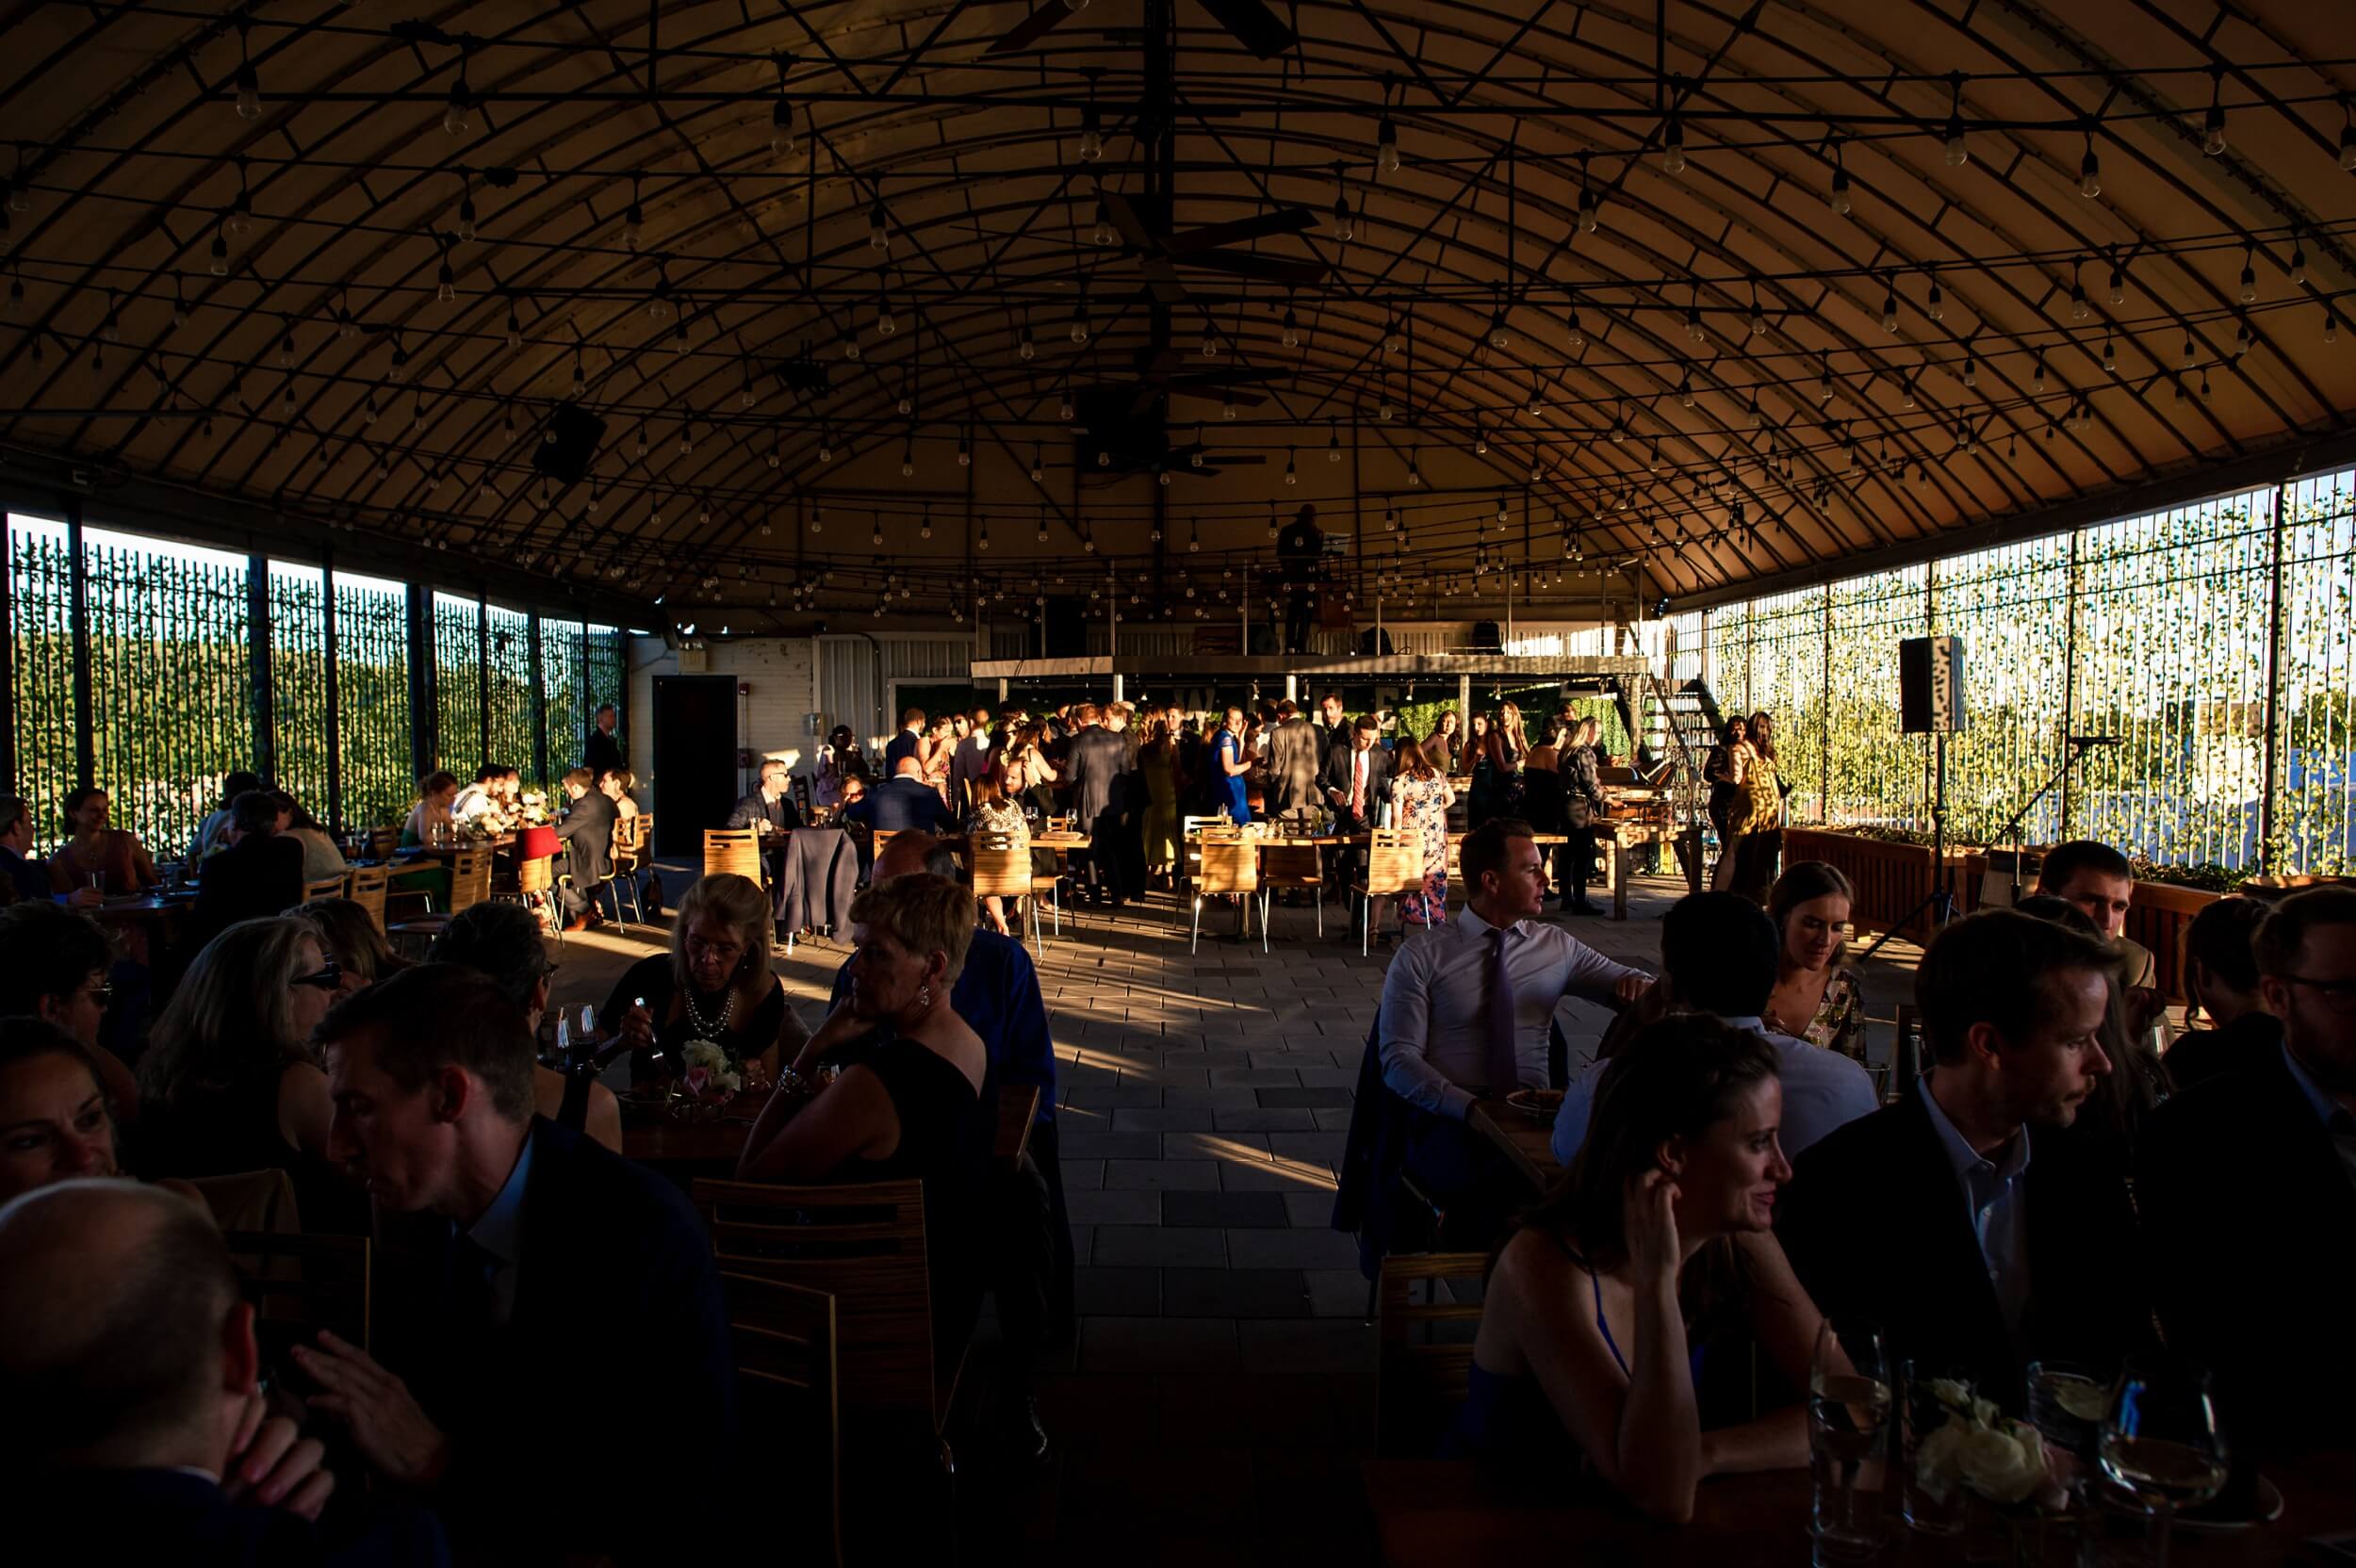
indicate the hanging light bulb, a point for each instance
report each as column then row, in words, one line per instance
column 248, row 83
column 781, row 119
column 2299, row 262
column 825, row 452
column 1332, row 442
column 445, row 283
column 1291, row 329
column 2090, row 170
column 1226, row 406
column 1345, row 229
column 1290, row 477
column 514, row 329
column 2248, row 290
column 885, row 324
column 2110, row 355
column 1210, row 343
column 1957, row 152
column 1091, row 136
column 1080, row 321
column 1935, row 303
column 1590, row 211
column 1841, row 203
column 2079, row 310
column 906, row 403
column 1890, row 309
column 1673, row 147
column 1480, row 442
column 2330, row 326
column 1497, row 337
column 1104, row 233
column 217, row 262
column 1971, row 370
column 2242, row 339
column 1064, row 409
column 458, row 119
column 908, row 459
column 2185, row 360
column 1039, row 470
column 1386, row 145
column 2213, row 124
column 878, row 238
column 1414, row 477
column 1024, row 348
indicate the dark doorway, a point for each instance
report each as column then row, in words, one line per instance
column 694, row 760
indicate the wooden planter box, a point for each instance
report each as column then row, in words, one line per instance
column 1892, row 880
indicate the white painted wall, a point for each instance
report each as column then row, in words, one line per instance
column 781, row 672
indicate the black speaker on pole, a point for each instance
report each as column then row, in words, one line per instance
column 1930, row 685
column 571, row 441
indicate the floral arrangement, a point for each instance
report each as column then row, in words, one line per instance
column 711, row 1076
column 1980, row 1449
column 533, row 809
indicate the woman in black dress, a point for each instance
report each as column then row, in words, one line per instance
column 715, row 984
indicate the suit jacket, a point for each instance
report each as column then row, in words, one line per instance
column 259, row 875
column 901, row 744
column 614, row 1270
column 779, row 814
column 1294, row 760
column 899, row 804
column 171, row 1516
column 603, row 752
column 1339, row 760
column 2252, row 1223
column 586, row 828
column 2200, row 1055
column 1095, row 766
column 1876, row 1224
column 27, row 880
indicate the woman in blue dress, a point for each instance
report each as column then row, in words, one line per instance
column 1231, row 759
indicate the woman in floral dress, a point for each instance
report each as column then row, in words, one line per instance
column 1420, row 796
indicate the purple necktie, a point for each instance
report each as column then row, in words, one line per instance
column 1504, row 1068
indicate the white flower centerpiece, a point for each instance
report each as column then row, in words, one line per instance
column 1991, row 1477
column 711, row 1078
column 533, row 808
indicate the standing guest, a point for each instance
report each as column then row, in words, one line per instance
column 55, row 966
column 95, row 849
column 229, row 1083
column 1655, row 1243
column 1492, row 772
column 909, row 742
column 901, row 802
column 2247, row 1185
column 1817, row 997
column 994, row 813
column 503, row 942
column 2100, row 882
column 1420, row 796
column 1722, row 769
column 209, row 833
column 128, row 1366
column 27, row 879
column 260, row 873
column 322, row 859
column 839, row 760
column 1357, row 784
column 429, row 820
column 1747, row 861
column 972, row 760
column 586, row 831
column 937, row 750
column 715, row 984
column 1095, row 768
column 1510, row 728
column 2221, row 978
column 1718, row 954
column 603, row 750
column 1445, row 743
column 1157, row 763
column 57, row 1121
column 769, row 812
column 1332, row 724
column 1961, row 1218
column 1466, row 1011
column 1130, row 793
column 532, row 1253
column 1583, row 808
column 353, row 944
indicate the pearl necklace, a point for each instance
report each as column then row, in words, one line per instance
column 708, row 1030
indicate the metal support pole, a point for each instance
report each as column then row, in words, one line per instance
column 2069, row 677
column 2270, row 851
column 539, row 700
column 1464, row 702
column 483, row 669
column 334, row 692
column 258, row 665
column 86, row 729
column 424, row 683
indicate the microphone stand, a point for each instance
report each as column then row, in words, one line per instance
column 1940, row 901
column 2073, row 748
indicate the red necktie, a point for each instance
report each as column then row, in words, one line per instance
column 1358, row 784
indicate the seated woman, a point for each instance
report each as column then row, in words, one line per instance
column 429, row 820
column 994, row 813
column 1817, row 998
column 907, row 1103
column 715, row 984
column 210, row 832
column 322, row 859
column 95, row 849
column 56, row 1124
column 352, row 940
column 1598, row 1308
column 229, row 1083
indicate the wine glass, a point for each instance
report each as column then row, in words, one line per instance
column 2160, row 1441
column 1848, row 1439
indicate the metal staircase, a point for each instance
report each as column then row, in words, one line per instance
column 1680, row 724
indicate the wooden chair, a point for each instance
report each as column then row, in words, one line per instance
column 251, row 1200
column 863, row 1244
column 733, row 852
column 326, row 887
column 1420, row 1378
column 1018, row 1113
column 382, row 841
column 629, row 858
column 300, row 1284
column 1230, row 868
column 1190, row 832
column 1394, row 866
column 365, row 886
column 877, row 840
column 1000, row 867
column 469, row 885
column 789, row 1400
column 1290, row 867
column 535, row 889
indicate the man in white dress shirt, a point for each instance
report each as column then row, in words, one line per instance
column 1718, row 952
column 1465, row 1008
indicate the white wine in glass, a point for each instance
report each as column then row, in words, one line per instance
column 2160, row 1442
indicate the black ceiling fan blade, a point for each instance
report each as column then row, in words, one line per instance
column 1162, row 279
column 1036, row 26
column 1243, row 264
column 1241, row 399
column 1242, row 230
column 1254, row 25
column 1240, row 376
column 1126, row 222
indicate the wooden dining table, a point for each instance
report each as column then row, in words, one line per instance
column 1433, row 1512
column 713, row 1147
column 1525, row 1140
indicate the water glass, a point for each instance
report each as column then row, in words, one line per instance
column 1931, row 1506
column 1848, row 1441
column 2160, row 1443
column 2067, row 1404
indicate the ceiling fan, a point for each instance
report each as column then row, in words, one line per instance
column 1247, row 22
column 1206, row 249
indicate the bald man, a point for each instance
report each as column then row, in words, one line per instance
column 128, row 1368
column 901, row 802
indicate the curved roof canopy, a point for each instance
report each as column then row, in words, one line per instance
column 887, row 294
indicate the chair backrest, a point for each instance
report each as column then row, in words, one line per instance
column 1059, row 825
column 1426, row 1349
column 646, row 834
column 1230, row 865
column 382, row 841
column 863, row 1244
column 1018, row 1111
column 1000, row 867
column 300, row 1284
column 878, row 839
column 535, row 876
column 1394, row 860
column 733, row 851
column 365, row 886
column 325, row 887
column 1290, row 862
column 469, row 878
column 789, row 1398
column 251, row 1200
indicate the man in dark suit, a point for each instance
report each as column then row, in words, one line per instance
column 1332, row 724
column 127, row 1366
column 1095, row 767
column 2247, row 1183
column 1294, row 761
column 603, row 753
column 904, row 743
column 1356, row 781
column 2221, row 981
column 259, row 874
column 532, row 1258
column 769, row 811
column 901, row 802
column 1965, row 1219
column 586, row 831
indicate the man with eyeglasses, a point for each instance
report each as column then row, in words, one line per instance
column 2247, row 1183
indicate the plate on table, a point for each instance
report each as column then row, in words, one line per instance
column 2225, row 1514
column 1537, row 1105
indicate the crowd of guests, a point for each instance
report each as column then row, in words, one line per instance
column 2050, row 1188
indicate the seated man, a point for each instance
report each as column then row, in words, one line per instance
column 128, row 1366
column 586, row 831
column 2221, row 977
column 54, row 966
column 769, row 809
column 1963, row 1218
column 901, row 802
column 503, row 941
column 259, row 874
column 1466, row 1011
column 23, row 879
column 1719, row 952
column 534, row 1257
column 2247, row 1183
column 2100, row 881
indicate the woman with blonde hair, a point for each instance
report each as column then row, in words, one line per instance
column 715, row 985
column 229, row 1083
column 352, row 940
